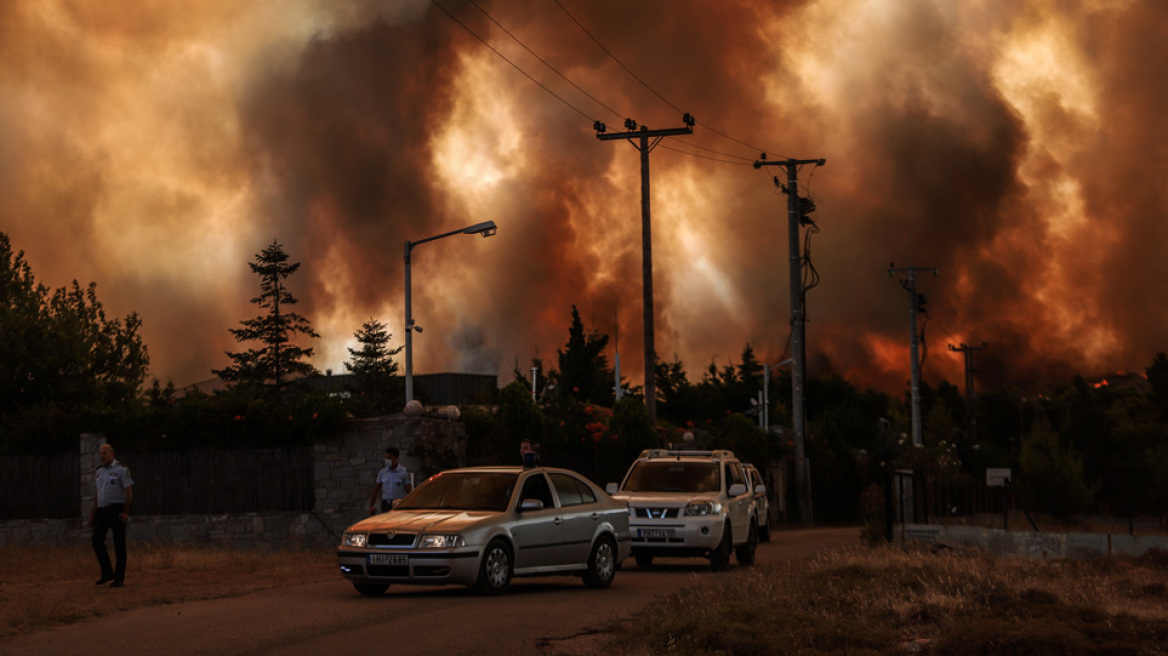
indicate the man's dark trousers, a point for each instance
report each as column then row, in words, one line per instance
column 105, row 519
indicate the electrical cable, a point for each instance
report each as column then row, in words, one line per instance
column 513, row 64
column 545, row 63
column 646, row 84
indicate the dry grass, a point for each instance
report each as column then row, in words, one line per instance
column 890, row 600
column 42, row 587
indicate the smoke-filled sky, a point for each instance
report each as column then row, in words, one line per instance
column 1018, row 147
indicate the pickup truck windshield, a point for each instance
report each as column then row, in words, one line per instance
column 673, row 476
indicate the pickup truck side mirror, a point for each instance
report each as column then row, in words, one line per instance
column 736, row 490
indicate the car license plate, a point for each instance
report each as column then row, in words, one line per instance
column 656, row 532
column 389, row 559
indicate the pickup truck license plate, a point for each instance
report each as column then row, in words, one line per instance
column 656, row 532
column 389, row 559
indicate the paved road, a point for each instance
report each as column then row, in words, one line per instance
column 538, row 616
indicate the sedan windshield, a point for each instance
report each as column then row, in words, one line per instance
column 489, row 491
column 673, row 476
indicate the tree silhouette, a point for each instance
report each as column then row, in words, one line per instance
column 64, row 366
column 584, row 371
column 277, row 358
column 374, row 369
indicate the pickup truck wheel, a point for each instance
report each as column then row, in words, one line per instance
column 745, row 553
column 720, row 556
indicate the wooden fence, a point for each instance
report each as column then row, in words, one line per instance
column 218, row 482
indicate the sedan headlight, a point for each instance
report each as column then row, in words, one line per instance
column 441, row 542
column 702, row 508
column 354, row 540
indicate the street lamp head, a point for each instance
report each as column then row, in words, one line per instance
column 486, row 229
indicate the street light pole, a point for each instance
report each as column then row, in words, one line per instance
column 486, row 229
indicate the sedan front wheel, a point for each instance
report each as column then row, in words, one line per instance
column 495, row 571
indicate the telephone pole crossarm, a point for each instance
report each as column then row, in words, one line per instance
column 644, row 132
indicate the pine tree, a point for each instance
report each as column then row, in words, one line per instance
column 374, row 368
column 584, row 371
column 277, row 358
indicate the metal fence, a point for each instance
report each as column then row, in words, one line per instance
column 213, row 482
column 40, row 487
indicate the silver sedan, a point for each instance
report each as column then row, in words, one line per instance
column 481, row 526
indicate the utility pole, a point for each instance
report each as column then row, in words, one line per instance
column 970, row 418
column 795, row 220
column 640, row 138
column 915, row 303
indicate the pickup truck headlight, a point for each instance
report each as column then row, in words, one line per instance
column 354, row 540
column 702, row 508
column 441, row 541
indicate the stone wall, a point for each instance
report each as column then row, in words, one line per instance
column 1032, row 544
column 344, row 472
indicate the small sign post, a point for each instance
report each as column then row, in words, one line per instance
column 1000, row 477
column 997, row 477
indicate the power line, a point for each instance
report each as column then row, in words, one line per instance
column 712, row 159
column 513, row 64
column 646, row 84
column 545, row 63
column 733, row 159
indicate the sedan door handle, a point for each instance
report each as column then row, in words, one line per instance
column 557, row 521
column 595, row 516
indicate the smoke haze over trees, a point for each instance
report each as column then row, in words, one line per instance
column 154, row 146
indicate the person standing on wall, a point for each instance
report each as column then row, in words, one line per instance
column 111, row 511
column 527, row 454
column 393, row 482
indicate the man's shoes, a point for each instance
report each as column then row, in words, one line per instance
column 103, row 580
column 116, row 584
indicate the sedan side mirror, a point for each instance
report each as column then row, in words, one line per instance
column 530, row 504
column 611, row 488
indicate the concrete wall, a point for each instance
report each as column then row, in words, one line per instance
column 344, row 472
column 999, row 542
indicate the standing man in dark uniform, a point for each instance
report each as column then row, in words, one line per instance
column 111, row 510
column 393, row 482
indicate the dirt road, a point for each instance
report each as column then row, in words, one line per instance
column 539, row 616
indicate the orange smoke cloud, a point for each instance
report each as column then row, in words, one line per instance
column 155, row 148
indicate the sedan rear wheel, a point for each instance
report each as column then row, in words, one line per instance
column 371, row 589
column 495, row 571
column 601, row 564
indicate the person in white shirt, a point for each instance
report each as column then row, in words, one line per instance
column 393, row 482
column 111, row 511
